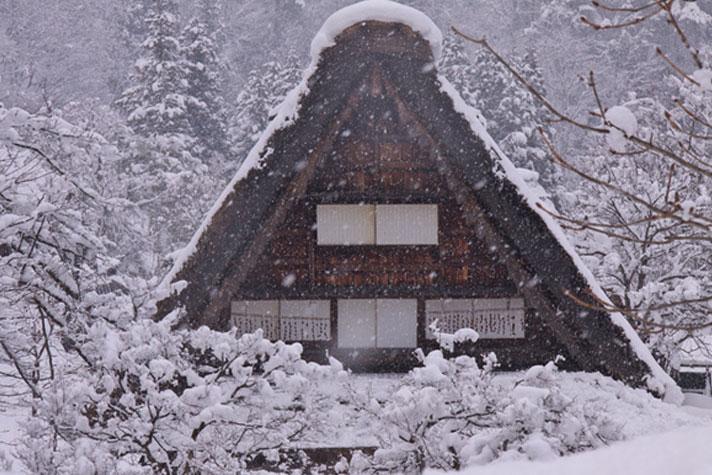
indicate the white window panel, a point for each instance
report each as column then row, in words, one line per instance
column 499, row 318
column 406, row 224
column 249, row 315
column 491, row 318
column 305, row 320
column 451, row 314
column 396, row 322
column 357, row 323
column 345, row 224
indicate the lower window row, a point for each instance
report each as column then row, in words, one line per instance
column 377, row 323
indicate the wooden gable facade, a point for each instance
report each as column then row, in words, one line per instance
column 378, row 210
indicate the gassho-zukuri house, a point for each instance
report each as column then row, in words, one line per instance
column 375, row 203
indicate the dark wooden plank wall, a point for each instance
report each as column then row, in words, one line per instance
column 378, row 160
column 459, row 262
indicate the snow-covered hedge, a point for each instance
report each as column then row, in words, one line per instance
column 161, row 401
column 451, row 413
column 156, row 400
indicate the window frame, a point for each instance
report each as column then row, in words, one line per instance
column 377, row 229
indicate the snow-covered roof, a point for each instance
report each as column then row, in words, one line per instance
column 661, row 381
column 288, row 113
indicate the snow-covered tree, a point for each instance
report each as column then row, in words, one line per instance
column 175, row 112
column 511, row 112
column 265, row 89
column 56, row 52
column 172, row 186
column 644, row 166
column 452, row 414
column 206, row 114
column 57, row 271
column 158, row 400
column 156, row 103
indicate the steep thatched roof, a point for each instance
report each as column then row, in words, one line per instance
column 496, row 202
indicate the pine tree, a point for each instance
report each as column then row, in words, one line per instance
column 511, row 113
column 266, row 87
column 205, row 110
column 156, row 103
column 459, row 69
column 164, row 161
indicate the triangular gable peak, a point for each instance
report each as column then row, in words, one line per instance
column 315, row 241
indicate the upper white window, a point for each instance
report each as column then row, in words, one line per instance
column 361, row 224
column 345, row 224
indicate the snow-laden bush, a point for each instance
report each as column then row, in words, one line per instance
column 451, row 413
column 156, row 400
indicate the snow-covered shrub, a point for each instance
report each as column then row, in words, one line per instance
column 57, row 270
column 156, row 400
column 451, row 413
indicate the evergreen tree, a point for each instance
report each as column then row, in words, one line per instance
column 459, row 69
column 175, row 132
column 511, row 113
column 265, row 89
column 132, row 16
column 205, row 110
column 156, row 104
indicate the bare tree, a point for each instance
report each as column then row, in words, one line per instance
column 645, row 177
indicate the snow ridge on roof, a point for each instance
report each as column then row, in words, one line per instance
column 376, row 10
column 660, row 382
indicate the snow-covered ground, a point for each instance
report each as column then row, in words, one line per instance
column 683, row 451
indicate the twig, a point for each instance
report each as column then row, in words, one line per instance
column 632, row 22
column 634, row 313
column 667, row 6
column 531, row 89
column 560, row 160
column 623, row 9
column 694, row 116
column 16, row 363
column 682, row 73
column 45, row 336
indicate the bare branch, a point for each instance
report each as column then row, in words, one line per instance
column 703, row 223
column 635, row 314
column 20, row 370
column 561, row 116
column 677, row 127
column 624, row 9
column 682, row 73
column 632, row 22
column 694, row 116
column 667, row 6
